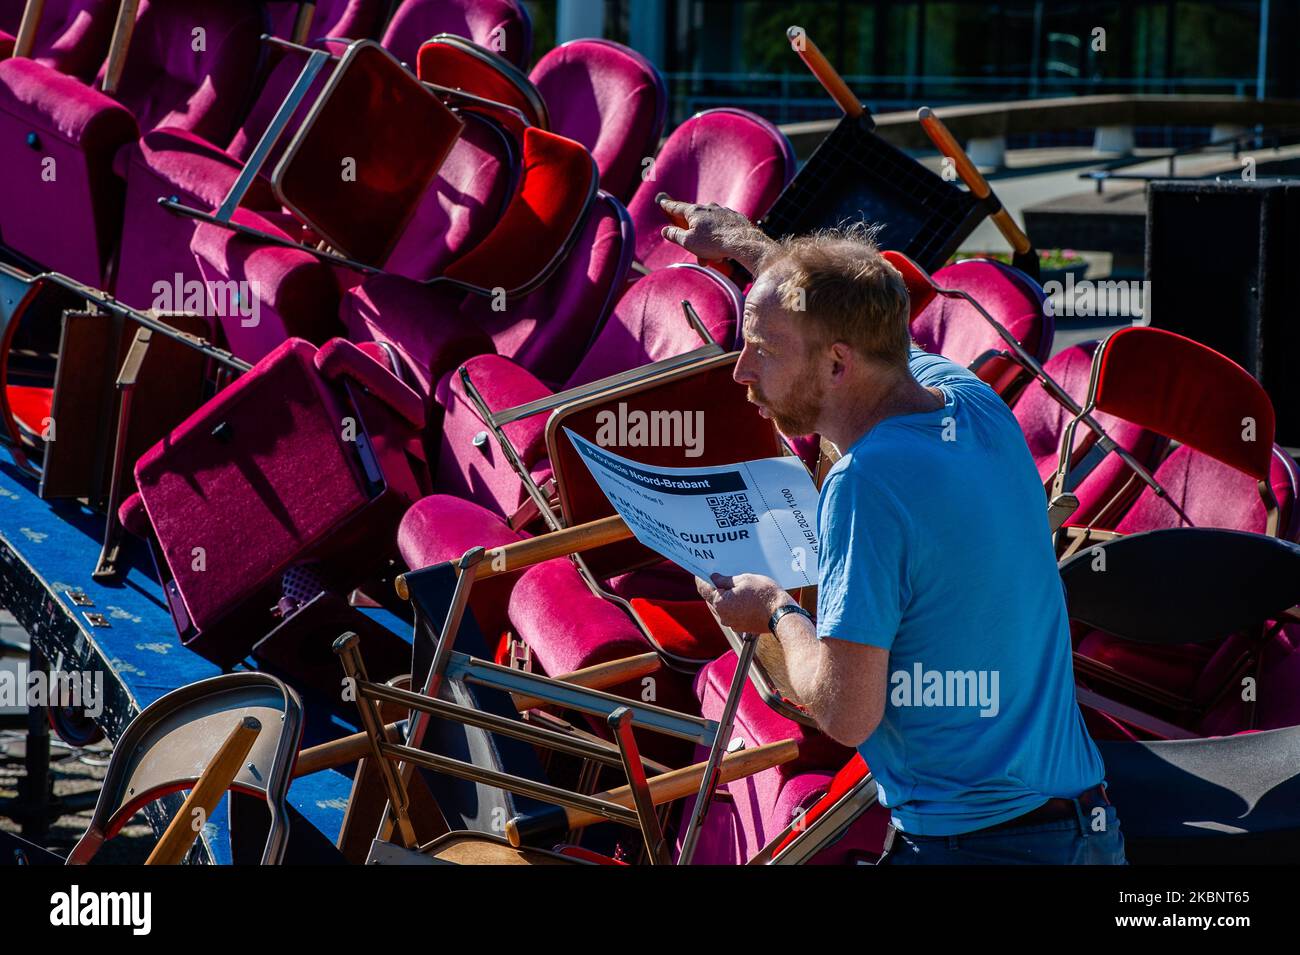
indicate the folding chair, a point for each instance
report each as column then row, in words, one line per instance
column 1222, row 419
column 1186, row 586
column 185, row 741
column 854, row 175
column 353, row 172
column 631, row 805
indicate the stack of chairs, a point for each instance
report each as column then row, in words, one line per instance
column 408, row 406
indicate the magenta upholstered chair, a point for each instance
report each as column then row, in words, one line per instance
column 953, row 328
column 646, row 325
column 71, row 221
column 300, row 294
column 546, row 328
column 501, row 26
column 72, row 36
column 1043, row 420
column 727, row 156
column 172, row 162
column 609, row 98
column 265, row 476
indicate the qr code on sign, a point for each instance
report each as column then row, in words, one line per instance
column 731, row 510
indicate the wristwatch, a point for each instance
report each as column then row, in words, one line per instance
column 781, row 611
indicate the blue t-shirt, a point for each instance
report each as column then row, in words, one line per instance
column 935, row 546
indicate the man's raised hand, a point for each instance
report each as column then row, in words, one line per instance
column 712, row 232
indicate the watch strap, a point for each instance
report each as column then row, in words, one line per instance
column 781, row 612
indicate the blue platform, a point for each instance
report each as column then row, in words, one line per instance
column 47, row 550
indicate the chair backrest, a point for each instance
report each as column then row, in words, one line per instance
column 457, row 63
column 1043, row 419
column 1223, row 419
column 727, row 426
column 463, row 203
column 548, row 329
column 649, row 325
column 72, row 36
column 727, row 156
column 370, row 148
column 192, row 66
column 1226, row 799
column 953, row 328
column 342, row 19
column 501, row 26
column 611, row 99
column 543, row 221
column 1188, row 392
column 1182, row 585
column 168, row 745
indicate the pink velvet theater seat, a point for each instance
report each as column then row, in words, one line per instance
column 52, row 122
column 72, row 36
column 609, row 98
column 200, row 172
column 953, row 328
column 176, row 163
column 1043, row 420
column 727, row 156
column 302, row 459
column 501, row 26
column 538, row 285
column 647, row 325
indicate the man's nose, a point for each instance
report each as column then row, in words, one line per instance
column 742, row 374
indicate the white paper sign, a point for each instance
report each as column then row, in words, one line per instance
column 756, row 517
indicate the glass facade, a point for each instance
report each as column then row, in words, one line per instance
column 898, row 54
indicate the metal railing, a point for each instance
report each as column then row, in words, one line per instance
column 1254, row 139
column 793, row 97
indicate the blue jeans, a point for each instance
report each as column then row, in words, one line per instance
column 1065, row 842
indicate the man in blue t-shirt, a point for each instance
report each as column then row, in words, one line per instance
column 941, row 648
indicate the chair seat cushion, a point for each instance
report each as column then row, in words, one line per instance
column 681, row 628
column 440, row 528
column 757, row 723
column 426, row 324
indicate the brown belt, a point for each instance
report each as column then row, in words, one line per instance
column 1054, row 810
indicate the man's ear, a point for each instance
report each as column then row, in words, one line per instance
column 842, row 358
